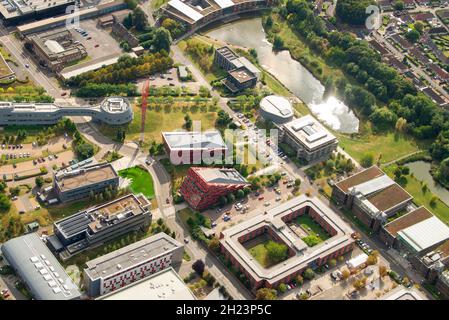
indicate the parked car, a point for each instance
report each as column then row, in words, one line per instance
column 261, row 198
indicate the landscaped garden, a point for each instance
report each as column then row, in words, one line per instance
column 268, row 252
column 141, row 181
column 315, row 233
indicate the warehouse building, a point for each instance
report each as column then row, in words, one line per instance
column 71, row 185
column 127, row 265
column 442, row 283
column 196, row 14
column 423, row 236
column 41, row 272
column 111, row 111
column 163, row 285
column 203, row 187
column 55, row 49
column 280, row 224
column 19, row 11
column 193, row 147
column 388, row 233
column 309, row 138
column 98, row 225
column 372, row 196
column 276, row 109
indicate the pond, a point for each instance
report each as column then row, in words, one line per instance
column 421, row 170
column 249, row 33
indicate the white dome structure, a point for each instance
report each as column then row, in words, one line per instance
column 276, row 109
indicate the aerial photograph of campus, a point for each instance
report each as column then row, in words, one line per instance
column 198, row 150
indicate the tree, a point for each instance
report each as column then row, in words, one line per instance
column 198, row 266
column 345, row 273
column 239, row 194
column 399, row 5
column 413, row 35
column 419, row 26
column 2, row 187
column 14, row 191
column 84, row 150
column 332, row 262
column 309, row 274
column 214, row 244
column 187, row 122
column 276, row 252
column 5, row 203
column 360, row 283
column 39, row 181
column 353, row 11
column 266, row 294
column 297, row 183
column 372, row 258
column 222, row 201
column 278, row 43
column 282, row 288
column 367, row 160
column 162, row 39
column 299, row 280
column 139, row 19
column 382, row 271
column 383, row 118
column 231, row 197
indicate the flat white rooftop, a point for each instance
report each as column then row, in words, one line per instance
column 277, row 105
column 164, row 285
column 186, row 9
column 425, row 234
column 309, row 132
column 401, row 293
column 371, row 186
column 182, row 140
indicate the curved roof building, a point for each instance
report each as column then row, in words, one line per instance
column 112, row 111
column 43, row 275
column 277, row 109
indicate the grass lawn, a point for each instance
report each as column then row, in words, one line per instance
column 158, row 121
column 414, row 187
column 214, row 72
column 156, row 4
column 260, row 253
column 177, row 173
column 312, row 228
column 141, row 181
column 390, row 146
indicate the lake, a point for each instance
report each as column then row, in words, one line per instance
column 249, row 33
column 421, row 170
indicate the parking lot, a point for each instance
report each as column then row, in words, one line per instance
column 170, row 78
column 249, row 207
column 102, row 38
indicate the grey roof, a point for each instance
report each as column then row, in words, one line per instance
column 39, row 269
column 425, row 234
column 222, row 176
column 133, row 254
column 194, row 140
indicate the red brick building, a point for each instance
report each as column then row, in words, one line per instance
column 203, row 187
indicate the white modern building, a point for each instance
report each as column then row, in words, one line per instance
column 424, row 235
column 311, row 140
column 127, row 265
column 276, row 109
column 164, row 285
column 111, row 111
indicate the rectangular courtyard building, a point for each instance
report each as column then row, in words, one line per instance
column 127, row 265
column 282, row 224
column 98, row 225
column 193, row 147
column 311, row 140
column 372, row 196
column 40, row 271
column 203, row 187
column 71, row 185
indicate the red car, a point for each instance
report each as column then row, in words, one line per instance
column 97, row 45
column 261, row 198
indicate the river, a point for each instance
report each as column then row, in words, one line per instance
column 421, row 170
column 249, row 33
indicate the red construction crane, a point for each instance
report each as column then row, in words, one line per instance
column 145, row 93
